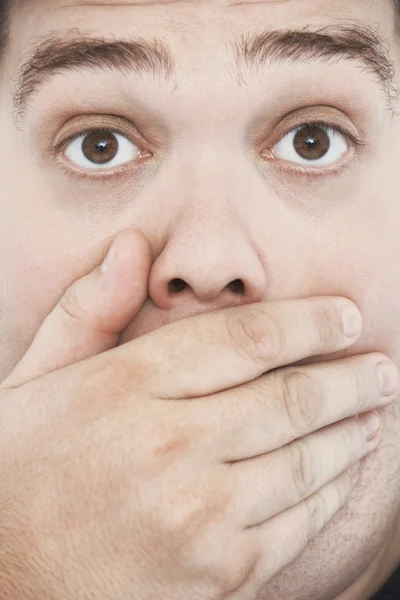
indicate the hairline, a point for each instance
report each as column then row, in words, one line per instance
column 5, row 9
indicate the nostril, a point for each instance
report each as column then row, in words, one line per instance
column 176, row 285
column 237, row 287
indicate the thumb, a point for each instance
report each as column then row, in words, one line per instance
column 92, row 313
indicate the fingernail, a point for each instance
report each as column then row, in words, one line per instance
column 388, row 378
column 351, row 320
column 370, row 423
column 108, row 261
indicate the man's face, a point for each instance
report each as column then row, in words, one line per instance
column 208, row 153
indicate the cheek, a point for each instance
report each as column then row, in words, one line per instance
column 38, row 264
column 33, row 279
column 371, row 278
column 363, row 264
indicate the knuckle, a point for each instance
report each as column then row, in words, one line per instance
column 171, row 441
column 317, row 514
column 360, row 385
column 185, row 523
column 106, row 378
column 238, row 568
column 373, row 358
column 255, row 334
column 174, row 433
column 302, row 400
column 343, row 487
column 72, row 306
column 117, row 380
column 103, row 389
column 304, row 468
column 349, row 437
column 366, row 378
column 328, row 332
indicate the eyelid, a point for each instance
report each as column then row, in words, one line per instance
column 330, row 124
column 84, row 125
column 311, row 172
column 320, row 115
column 300, row 118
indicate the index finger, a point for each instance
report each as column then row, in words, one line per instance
column 211, row 352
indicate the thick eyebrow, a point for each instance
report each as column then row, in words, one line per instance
column 357, row 43
column 55, row 54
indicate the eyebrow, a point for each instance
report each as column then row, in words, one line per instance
column 358, row 43
column 55, row 55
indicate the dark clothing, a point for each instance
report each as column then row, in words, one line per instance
column 391, row 589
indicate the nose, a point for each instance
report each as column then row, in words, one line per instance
column 208, row 263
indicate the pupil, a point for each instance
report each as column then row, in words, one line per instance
column 100, row 147
column 312, row 142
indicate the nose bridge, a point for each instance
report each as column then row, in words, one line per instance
column 208, row 257
column 206, row 239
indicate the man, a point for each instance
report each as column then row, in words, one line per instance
column 180, row 422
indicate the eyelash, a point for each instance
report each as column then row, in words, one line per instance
column 82, row 175
column 309, row 173
column 306, row 172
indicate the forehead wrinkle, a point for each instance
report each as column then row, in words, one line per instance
column 123, row 4
column 188, row 2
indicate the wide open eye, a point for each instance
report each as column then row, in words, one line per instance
column 312, row 144
column 101, row 149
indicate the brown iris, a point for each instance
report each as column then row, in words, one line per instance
column 100, row 147
column 312, row 142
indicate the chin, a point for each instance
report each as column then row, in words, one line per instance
column 350, row 543
column 344, row 552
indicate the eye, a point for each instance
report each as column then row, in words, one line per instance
column 100, row 149
column 312, row 144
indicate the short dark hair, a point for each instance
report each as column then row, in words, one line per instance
column 4, row 14
column 397, row 9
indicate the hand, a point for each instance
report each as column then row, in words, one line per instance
column 189, row 463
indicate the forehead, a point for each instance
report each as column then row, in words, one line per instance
column 199, row 29
column 332, row 5
column 276, row 13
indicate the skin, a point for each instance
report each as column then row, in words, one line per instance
column 214, row 213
